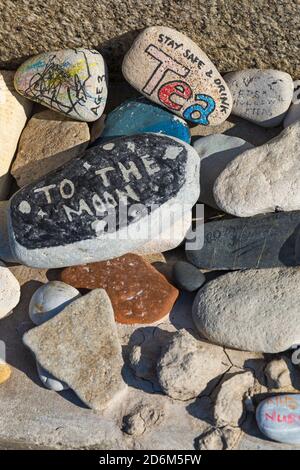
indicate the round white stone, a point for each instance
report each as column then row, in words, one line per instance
column 49, row 381
column 50, row 299
column 24, row 207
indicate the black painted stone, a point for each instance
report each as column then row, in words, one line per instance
column 39, row 223
column 187, row 277
column 264, row 241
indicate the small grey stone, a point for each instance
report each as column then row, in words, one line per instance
column 187, row 276
column 187, row 366
column 282, row 374
column 50, row 299
column 243, row 309
column 49, row 381
column 141, row 419
column 263, row 179
column 261, row 96
column 215, row 152
column 229, row 405
column 80, row 346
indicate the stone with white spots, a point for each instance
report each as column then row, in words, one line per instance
column 263, row 179
column 77, row 214
column 215, row 152
column 50, row 299
column 171, row 70
column 261, row 96
column 244, row 310
column 70, row 81
column 14, row 111
column 9, row 291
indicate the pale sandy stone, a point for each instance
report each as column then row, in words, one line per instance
column 14, row 111
column 162, row 58
column 48, row 141
column 9, row 291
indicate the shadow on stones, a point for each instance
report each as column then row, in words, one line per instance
column 289, row 254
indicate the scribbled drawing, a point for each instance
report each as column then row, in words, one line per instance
column 63, row 86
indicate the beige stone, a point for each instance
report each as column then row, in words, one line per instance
column 48, row 141
column 14, row 110
column 80, row 346
column 171, row 70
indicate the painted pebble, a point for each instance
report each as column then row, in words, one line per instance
column 187, row 277
column 171, row 70
column 261, row 96
column 278, row 418
column 104, row 203
column 263, row 179
column 50, row 299
column 49, row 381
column 215, row 152
column 9, row 291
column 140, row 115
column 138, row 292
column 263, row 241
column 293, row 113
column 70, row 81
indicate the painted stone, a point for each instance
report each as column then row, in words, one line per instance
column 138, row 292
column 139, row 115
column 170, row 69
column 109, row 201
column 263, row 241
column 278, row 418
column 293, row 113
column 9, row 291
column 215, row 152
column 49, row 381
column 5, row 372
column 70, row 81
column 244, row 310
column 261, row 96
column 14, row 111
column 80, row 346
column 263, row 179
column 47, row 142
column 187, row 277
column 50, row 299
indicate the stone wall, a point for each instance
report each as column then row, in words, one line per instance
column 234, row 33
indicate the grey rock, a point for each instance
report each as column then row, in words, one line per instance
column 50, row 299
column 80, row 346
column 215, row 152
column 74, row 215
column 141, row 419
column 282, row 374
column 261, row 96
column 263, row 179
column 224, row 438
column 243, row 310
column 188, row 366
column 229, row 406
column 187, row 277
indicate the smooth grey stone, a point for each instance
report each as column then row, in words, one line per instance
column 187, row 277
column 263, row 241
column 49, row 381
column 261, row 96
column 252, row 310
column 69, row 216
column 215, row 152
column 278, row 418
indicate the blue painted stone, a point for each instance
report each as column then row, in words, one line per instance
column 139, row 115
column 278, row 418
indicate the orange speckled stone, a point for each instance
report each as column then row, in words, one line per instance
column 138, row 292
column 5, row 372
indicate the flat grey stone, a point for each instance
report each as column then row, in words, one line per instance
column 263, row 241
column 215, row 152
column 80, row 346
column 263, row 179
column 75, row 215
column 187, row 277
column 254, row 310
column 261, row 96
